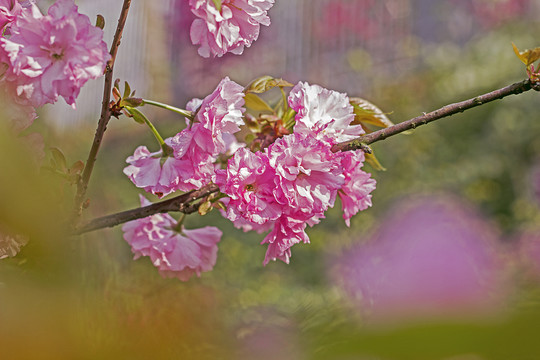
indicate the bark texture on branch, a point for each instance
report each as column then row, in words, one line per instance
column 82, row 186
column 443, row 112
column 181, row 203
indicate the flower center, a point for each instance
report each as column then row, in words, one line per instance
column 55, row 52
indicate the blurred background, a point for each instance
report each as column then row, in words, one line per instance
column 445, row 265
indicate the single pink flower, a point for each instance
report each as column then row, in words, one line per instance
column 355, row 194
column 53, row 55
column 176, row 253
column 198, row 167
column 198, row 146
column 325, row 113
column 249, row 183
column 230, row 29
column 309, row 175
column 219, row 113
column 154, row 172
column 285, row 233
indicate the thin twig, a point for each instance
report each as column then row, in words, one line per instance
column 179, row 203
column 182, row 203
column 82, row 185
column 443, row 112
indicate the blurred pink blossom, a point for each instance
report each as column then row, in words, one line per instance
column 53, row 55
column 431, row 257
column 230, row 29
column 178, row 253
column 18, row 115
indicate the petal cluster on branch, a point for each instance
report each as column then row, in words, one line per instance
column 229, row 29
column 281, row 188
column 178, row 253
column 296, row 179
column 189, row 163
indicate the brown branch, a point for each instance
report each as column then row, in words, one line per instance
column 445, row 111
column 82, row 185
column 183, row 202
column 179, row 203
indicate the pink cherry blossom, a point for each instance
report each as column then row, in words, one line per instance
column 154, row 172
column 230, row 29
column 18, row 115
column 9, row 10
column 432, row 257
column 220, row 112
column 309, row 175
column 199, row 145
column 53, row 55
column 176, row 253
column 198, row 167
column 323, row 112
column 286, row 232
column 249, row 183
column 355, row 193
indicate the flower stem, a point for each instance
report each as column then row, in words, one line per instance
column 183, row 112
column 179, row 224
column 156, row 133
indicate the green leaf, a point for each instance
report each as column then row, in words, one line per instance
column 100, row 21
column 217, row 4
column 127, row 90
column 374, row 162
column 136, row 114
column 367, row 113
column 132, row 102
column 59, row 159
column 77, row 167
column 265, row 83
column 254, row 102
column 528, row 56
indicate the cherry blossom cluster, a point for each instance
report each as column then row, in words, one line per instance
column 44, row 57
column 174, row 250
column 224, row 26
column 282, row 188
column 292, row 183
column 186, row 162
